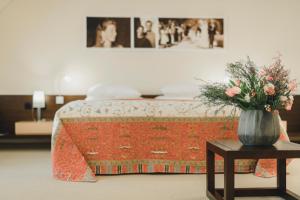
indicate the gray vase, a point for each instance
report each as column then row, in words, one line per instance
column 257, row 127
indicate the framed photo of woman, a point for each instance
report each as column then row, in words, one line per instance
column 108, row 32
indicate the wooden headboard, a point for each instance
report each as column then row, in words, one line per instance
column 18, row 108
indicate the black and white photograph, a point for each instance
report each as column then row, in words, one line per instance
column 191, row 33
column 145, row 32
column 108, row 32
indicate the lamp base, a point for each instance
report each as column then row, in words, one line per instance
column 39, row 114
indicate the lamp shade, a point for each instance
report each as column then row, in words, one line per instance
column 38, row 100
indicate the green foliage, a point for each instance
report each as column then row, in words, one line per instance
column 250, row 88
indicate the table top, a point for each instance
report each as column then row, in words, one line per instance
column 233, row 145
column 35, row 122
column 237, row 149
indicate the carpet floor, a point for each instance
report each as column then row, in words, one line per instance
column 26, row 175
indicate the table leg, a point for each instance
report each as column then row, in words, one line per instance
column 210, row 170
column 281, row 175
column 229, row 178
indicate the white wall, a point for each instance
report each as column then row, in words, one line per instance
column 41, row 41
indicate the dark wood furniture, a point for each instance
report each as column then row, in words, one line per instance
column 231, row 150
column 25, row 141
column 293, row 123
column 19, row 108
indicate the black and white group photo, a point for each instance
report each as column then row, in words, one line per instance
column 145, row 32
column 191, row 33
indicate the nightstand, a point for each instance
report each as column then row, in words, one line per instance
column 33, row 127
column 231, row 150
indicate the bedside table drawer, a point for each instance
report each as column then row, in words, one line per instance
column 33, row 128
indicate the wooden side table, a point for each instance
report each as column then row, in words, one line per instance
column 231, row 150
column 33, row 127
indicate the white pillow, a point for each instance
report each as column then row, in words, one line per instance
column 179, row 90
column 99, row 92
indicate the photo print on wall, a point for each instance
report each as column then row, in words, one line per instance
column 191, row 33
column 155, row 33
column 104, row 32
column 145, row 32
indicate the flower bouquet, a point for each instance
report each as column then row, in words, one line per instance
column 259, row 93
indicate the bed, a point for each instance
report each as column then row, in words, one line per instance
column 103, row 137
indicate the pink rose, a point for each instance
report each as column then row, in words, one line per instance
column 283, row 98
column 270, row 78
column 269, row 89
column 289, row 104
column 288, row 107
column 231, row 92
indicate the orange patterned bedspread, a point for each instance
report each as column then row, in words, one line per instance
column 90, row 145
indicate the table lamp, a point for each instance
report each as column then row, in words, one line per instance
column 38, row 102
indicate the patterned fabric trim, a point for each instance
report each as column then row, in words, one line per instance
column 163, row 166
column 148, row 119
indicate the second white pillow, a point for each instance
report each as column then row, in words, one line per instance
column 99, row 91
